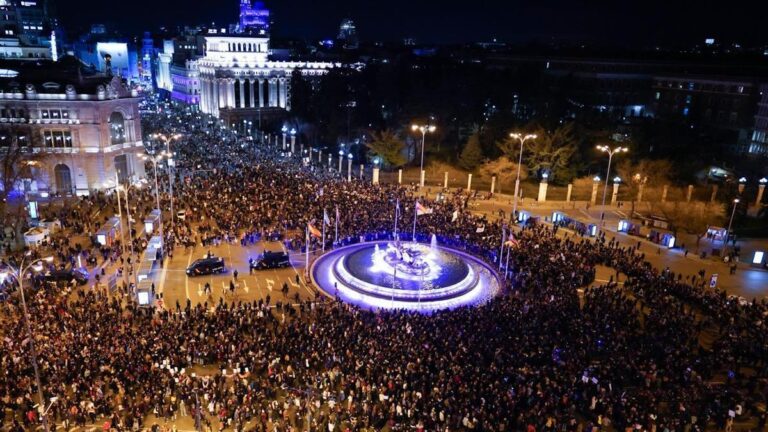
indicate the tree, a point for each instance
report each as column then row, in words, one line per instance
column 549, row 151
column 15, row 165
column 472, row 154
column 645, row 173
column 389, row 147
column 504, row 169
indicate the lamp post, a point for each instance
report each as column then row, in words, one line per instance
column 423, row 129
column 611, row 152
column 171, row 176
column 522, row 138
column 155, row 159
column 285, row 131
column 349, row 167
column 730, row 224
column 18, row 273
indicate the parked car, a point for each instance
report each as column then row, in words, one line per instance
column 56, row 277
column 206, row 266
column 270, row 260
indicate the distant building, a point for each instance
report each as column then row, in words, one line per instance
column 348, row 35
column 83, row 124
column 759, row 140
column 239, row 82
column 108, row 53
column 254, row 16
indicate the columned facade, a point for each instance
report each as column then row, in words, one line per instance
column 238, row 78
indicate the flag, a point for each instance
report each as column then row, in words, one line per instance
column 511, row 241
column 480, row 229
column 326, row 219
column 421, row 210
column 314, row 231
column 455, row 216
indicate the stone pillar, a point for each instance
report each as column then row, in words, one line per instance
column 282, row 97
column 664, row 192
column 542, row 191
column 319, row 156
column 400, row 176
column 445, row 181
column 469, row 182
column 714, row 193
column 242, row 93
column 493, row 184
column 593, row 199
column 330, row 161
column 230, row 93
column 273, row 92
column 640, row 192
column 760, row 191
column 615, row 195
column 293, row 144
column 375, row 175
column 568, row 194
column 421, row 178
column 251, row 93
column 261, row 93
column 741, row 187
column 216, row 102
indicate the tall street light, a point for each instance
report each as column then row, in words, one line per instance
column 522, row 138
column 611, row 152
column 18, row 273
column 167, row 140
column 155, row 159
column 423, row 129
column 730, row 223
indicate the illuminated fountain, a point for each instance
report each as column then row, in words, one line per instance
column 400, row 275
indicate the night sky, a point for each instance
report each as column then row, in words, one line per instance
column 617, row 22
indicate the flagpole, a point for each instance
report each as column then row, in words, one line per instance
column 336, row 237
column 415, row 214
column 306, row 257
column 325, row 216
column 397, row 210
column 501, row 249
column 506, row 267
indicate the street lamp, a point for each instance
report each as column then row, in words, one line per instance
column 611, row 152
column 155, row 159
column 18, row 273
column 522, row 138
column 730, row 223
column 349, row 167
column 171, row 177
column 423, row 129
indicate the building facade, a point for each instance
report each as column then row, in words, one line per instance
column 238, row 81
column 82, row 129
column 759, row 140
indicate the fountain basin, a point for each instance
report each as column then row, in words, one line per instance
column 405, row 276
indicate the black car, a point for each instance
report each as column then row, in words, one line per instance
column 270, row 260
column 66, row 276
column 206, row 266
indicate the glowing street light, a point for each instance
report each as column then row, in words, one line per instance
column 611, row 152
column 522, row 138
column 423, row 129
column 730, row 223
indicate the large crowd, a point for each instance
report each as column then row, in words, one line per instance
column 660, row 351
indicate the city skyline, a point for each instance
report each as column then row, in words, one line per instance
column 649, row 24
